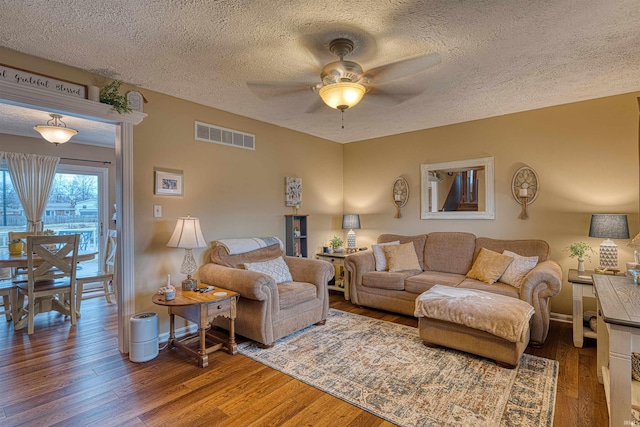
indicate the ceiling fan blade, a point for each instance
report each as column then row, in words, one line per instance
column 269, row 90
column 403, row 67
column 317, row 105
column 392, row 96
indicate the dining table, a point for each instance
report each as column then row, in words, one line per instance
column 20, row 261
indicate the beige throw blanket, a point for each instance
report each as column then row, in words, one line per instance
column 499, row 315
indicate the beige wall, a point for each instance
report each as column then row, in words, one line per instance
column 585, row 154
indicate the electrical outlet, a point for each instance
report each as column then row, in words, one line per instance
column 157, row 211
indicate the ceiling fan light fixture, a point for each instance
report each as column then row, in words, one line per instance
column 55, row 131
column 342, row 95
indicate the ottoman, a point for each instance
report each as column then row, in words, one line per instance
column 478, row 322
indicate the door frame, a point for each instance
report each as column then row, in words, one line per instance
column 52, row 102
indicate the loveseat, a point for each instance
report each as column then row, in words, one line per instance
column 266, row 310
column 445, row 258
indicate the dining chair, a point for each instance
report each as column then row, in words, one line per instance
column 105, row 275
column 51, row 284
column 8, row 292
column 20, row 274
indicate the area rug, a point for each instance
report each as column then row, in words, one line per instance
column 384, row 368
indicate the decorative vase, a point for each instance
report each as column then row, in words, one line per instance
column 580, row 264
column 15, row 248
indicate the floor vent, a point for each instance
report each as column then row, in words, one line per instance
column 224, row 136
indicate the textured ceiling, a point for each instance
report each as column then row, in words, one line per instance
column 495, row 57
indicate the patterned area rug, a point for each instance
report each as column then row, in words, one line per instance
column 384, row 368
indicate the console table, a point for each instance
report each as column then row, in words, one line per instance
column 618, row 326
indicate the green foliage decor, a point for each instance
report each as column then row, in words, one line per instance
column 336, row 242
column 580, row 250
column 110, row 95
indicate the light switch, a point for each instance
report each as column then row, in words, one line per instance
column 157, row 211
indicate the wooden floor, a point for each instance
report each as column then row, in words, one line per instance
column 74, row 376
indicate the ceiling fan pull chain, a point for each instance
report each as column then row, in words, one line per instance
column 342, row 117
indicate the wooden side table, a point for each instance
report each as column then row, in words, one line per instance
column 618, row 330
column 582, row 288
column 340, row 280
column 201, row 309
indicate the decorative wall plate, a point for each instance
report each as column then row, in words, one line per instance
column 525, row 177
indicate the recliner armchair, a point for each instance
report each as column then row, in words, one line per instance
column 267, row 311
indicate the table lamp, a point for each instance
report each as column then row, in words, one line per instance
column 351, row 222
column 188, row 235
column 609, row 226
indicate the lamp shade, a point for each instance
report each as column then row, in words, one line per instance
column 55, row 131
column 609, row 226
column 351, row 221
column 342, row 95
column 187, row 234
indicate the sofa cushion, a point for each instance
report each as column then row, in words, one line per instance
column 294, row 293
column 518, row 268
column 489, row 266
column 529, row 247
column 418, row 243
column 496, row 288
column 421, row 282
column 379, row 256
column 386, row 279
column 449, row 252
column 401, row 257
column 275, row 268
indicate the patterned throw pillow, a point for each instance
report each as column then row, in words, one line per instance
column 518, row 268
column 489, row 266
column 378, row 254
column 401, row 257
column 275, row 268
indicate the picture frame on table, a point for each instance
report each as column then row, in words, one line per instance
column 168, row 183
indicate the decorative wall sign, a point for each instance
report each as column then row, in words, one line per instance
column 28, row 78
column 400, row 193
column 293, row 191
column 169, row 183
column 135, row 100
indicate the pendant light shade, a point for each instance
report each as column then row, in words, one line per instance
column 342, row 95
column 55, row 131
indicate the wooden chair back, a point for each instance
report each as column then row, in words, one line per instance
column 58, row 257
column 111, row 245
column 22, row 235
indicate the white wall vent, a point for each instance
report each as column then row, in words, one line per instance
column 224, row 136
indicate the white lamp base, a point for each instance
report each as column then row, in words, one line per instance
column 351, row 239
column 608, row 254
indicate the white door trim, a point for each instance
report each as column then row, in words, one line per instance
column 71, row 106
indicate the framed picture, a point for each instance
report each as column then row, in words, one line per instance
column 169, row 183
column 293, row 191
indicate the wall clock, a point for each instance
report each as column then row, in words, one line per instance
column 400, row 194
column 525, row 178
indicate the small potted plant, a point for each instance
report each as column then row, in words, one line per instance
column 15, row 247
column 580, row 250
column 110, row 95
column 335, row 244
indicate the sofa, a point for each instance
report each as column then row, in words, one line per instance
column 445, row 258
column 266, row 310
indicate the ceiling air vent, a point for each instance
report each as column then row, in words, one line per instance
column 224, row 136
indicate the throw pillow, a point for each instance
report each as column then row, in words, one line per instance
column 518, row 268
column 275, row 268
column 401, row 257
column 489, row 266
column 378, row 255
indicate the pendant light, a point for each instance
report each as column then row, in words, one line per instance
column 55, row 131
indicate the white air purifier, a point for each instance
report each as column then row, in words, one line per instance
column 143, row 342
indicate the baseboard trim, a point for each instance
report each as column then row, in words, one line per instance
column 559, row 317
column 189, row 329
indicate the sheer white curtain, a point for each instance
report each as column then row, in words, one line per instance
column 32, row 176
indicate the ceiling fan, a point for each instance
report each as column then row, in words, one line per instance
column 344, row 83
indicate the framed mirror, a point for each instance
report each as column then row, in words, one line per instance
column 462, row 189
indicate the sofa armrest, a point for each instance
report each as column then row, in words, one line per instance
column 314, row 271
column 249, row 284
column 357, row 265
column 543, row 281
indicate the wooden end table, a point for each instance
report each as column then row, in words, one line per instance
column 341, row 279
column 201, row 309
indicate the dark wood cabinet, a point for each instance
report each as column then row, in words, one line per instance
column 296, row 235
